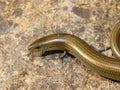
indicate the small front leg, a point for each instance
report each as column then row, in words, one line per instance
column 61, row 56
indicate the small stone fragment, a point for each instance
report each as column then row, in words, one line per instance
column 4, row 27
column 82, row 29
column 18, row 12
column 82, row 12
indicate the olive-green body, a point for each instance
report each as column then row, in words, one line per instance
column 105, row 66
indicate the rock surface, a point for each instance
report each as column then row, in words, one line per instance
column 23, row 21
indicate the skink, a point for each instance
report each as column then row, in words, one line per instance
column 105, row 66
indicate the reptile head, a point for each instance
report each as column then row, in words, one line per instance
column 44, row 44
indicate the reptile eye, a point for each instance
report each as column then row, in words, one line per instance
column 37, row 47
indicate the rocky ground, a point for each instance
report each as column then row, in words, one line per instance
column 23, row 21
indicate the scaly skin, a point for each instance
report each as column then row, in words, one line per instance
column 105, row 66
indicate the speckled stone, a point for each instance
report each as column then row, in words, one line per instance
column 23, row 21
